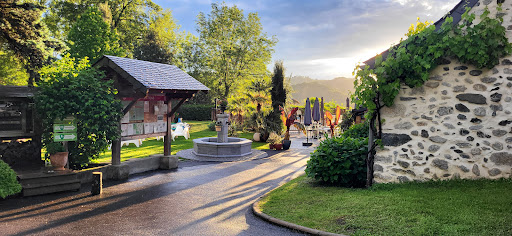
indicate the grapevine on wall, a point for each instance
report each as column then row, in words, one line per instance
column 411, row 61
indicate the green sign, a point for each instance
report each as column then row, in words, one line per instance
column 64, row 130
column 59, row 128
column 61, row 137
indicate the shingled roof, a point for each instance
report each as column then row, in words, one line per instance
column 151, row 75
column 455, row 13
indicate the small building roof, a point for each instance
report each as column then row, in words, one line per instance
column 8, row 91
column 151, row 75
column 456, row 13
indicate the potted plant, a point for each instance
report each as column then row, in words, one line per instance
column 278, row 146
column 288, row 121
column 223, row 105
column 218, row 126
column 58, row 155
column 273, row 139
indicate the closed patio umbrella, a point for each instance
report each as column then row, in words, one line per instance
column 322, row 111
column 316, row 111
column 316, row 117
column 307, row 113
column 307, row 121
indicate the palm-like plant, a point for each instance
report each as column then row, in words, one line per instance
column 333, row 121
column 288, row 121
column 258, row 92
column 237, row 107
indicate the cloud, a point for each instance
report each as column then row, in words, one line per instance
column 324, row 39
column 307, row 27
column 357, row 31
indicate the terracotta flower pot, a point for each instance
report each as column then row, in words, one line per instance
column 59, row 160
column 278, row 146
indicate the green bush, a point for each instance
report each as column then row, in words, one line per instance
column 339, row 161
column 360, row 130
column 211, row 125
column 73, row 88
column 199, row 112
column 8, row 183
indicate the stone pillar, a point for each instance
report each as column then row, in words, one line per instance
column 223, row 121
column 97, row 183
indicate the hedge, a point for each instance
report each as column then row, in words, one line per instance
column 199, row 112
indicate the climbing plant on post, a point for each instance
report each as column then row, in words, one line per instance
column 411, row 61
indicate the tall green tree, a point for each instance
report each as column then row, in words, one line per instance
column 128, row 17
column 91, row 37
column 278, row 93
column 24, row 34
column 151, row 48
column 234, row 45
column 11, row 70
column 278, row 97
column 164, row 42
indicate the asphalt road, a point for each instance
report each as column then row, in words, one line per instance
column 196, row 199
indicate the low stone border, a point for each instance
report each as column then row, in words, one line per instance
column 187, row 154
column 130, row 167
column 257, row 211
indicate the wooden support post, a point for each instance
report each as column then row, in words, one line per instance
column 116, row 144
column 170, row 116
column 116, row 148
column 168, row 137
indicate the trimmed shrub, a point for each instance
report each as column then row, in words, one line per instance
column 8, row 183
column 72, row 87
column 212, row 125
column 360, row 130
column 339, row 161
column 195, row 112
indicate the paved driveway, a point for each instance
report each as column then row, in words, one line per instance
column 197, row 199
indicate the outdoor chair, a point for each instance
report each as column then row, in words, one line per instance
column 182, row 129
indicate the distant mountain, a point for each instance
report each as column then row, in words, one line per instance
column 301, row 79
column 337, row 89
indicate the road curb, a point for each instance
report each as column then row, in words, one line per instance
column 257, row 211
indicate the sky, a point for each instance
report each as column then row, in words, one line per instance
column 324, row 39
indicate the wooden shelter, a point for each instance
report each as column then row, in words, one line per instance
column 16, row 116
column 147, row 90
column 20, row 133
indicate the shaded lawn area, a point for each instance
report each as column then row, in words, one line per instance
column 455, row 207
column 198, row 129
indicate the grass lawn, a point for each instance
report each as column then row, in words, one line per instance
column 198, row 129
column 457, row 207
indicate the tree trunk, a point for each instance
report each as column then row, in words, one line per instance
column 371, row 151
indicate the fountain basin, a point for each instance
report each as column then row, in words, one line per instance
column 209, row 147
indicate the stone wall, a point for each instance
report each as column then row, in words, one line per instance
column 458, row 125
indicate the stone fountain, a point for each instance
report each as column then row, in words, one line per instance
column 222, row 146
